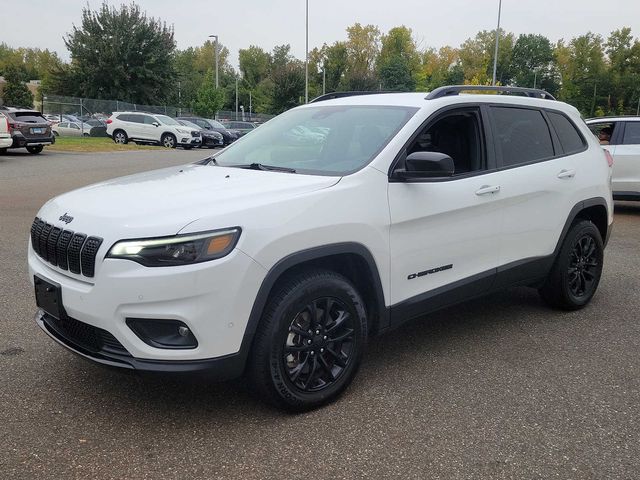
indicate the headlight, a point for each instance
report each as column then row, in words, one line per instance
column 179, row 249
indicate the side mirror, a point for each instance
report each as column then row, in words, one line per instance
column 155, row 124
column 426, row 165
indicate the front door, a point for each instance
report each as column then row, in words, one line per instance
column 444, row 232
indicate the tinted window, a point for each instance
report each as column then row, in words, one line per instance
column 570, row 139
column 631, row 133
column 136, row 118
column 522, row 135
column 124, row 117
column 149, row 120
column 28, row 117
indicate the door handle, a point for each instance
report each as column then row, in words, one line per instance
column 567, row 173
column 488, row 189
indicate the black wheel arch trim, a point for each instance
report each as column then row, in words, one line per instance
column 573, row 214
column 303, row 256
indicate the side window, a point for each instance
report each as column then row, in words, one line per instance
column 603, row 131
column 74, row 126
column 202, row 124
column 149, row 120
column 522, row 135
column 458, row 134
column 125, row 117
column 63, row 125
column 631, row 133
column 136, row 118
column 570, row 138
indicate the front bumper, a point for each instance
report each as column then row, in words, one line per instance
column 189, row 141
column 213, row 299
column 220, row 368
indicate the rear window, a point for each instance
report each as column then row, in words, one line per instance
column 631, row 133
column 522, row 135
column 28, row 117
column 570, row 138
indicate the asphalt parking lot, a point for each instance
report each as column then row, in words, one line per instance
column 501, row 387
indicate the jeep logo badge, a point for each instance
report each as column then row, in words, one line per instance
column 66, row 218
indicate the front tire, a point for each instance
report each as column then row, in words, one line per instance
column 35, row 149
column 168, row 140
column 577, row 270
column 310, row 341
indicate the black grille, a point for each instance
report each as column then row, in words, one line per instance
column 64, row 248
column 86, row 336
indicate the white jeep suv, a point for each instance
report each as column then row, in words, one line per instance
column 152, row 128
column 279, row 257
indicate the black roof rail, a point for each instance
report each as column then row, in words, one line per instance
column 456, row 89
column 332, row 95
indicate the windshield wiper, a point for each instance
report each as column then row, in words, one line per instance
column 207, row 161
column 262, row 166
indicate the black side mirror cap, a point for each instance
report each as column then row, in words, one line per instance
column 426, row 165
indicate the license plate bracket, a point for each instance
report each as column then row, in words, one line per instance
column 37, row 130
column 48, row 297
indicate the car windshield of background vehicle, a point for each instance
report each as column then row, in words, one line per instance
column 189, row 124
column 167, row 120
column 323, row 140
column 216, row 124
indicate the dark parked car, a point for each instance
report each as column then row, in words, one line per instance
column 210, row 139
column 228, row 136
column 28, row 128
column 241, row 127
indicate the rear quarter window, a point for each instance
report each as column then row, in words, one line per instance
column 568, row 134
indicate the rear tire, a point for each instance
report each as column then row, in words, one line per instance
column 168, row 140
column 577, row 269
column 310, row 341
column 35, row 149
column 120, row 137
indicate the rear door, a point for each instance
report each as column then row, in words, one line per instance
column 538, row 179
column 626, row 164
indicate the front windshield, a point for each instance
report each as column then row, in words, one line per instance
column 187, row 123
column 216, row 124
column 167, row 120
column 324, row 140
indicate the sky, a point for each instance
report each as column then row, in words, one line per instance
column 268, row 23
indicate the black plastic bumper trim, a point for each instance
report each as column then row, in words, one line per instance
column 219, row 368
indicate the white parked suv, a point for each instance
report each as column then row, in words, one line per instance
column 152, row 128
column 621, row 137
column 278, row 258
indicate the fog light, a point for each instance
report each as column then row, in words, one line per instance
column 163, row 333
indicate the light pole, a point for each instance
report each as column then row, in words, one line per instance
column 216, row 49
column 324, row 76
column 236, row 97
column 306, row 59
column 495, row 54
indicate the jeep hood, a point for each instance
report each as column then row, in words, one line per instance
column 162, row 202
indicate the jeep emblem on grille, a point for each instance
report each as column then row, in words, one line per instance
column 66, row 218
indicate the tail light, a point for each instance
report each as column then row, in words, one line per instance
column 609, row 157
column 11, row 126
column 109, row 121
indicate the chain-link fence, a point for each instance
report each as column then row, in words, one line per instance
column 101, row 109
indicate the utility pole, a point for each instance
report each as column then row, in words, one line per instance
column 306, row 59
column 250, row 115
column 324, row 76
column 216, row 50
column 495, row 54
column 236, row 97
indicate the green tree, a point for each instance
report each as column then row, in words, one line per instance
column 476, row 57
column 532, row 62
column 362, row 49
column 122, row 54
column 16, row 92
column 209, row 99
column 255, row 65
column 624, row 71
column 399, row 61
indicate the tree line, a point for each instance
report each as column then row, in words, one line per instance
column 122, row 54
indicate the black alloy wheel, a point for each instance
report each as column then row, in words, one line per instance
column 584, row 266
column 318, row 347
column 576, row 272
column 310, row 341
